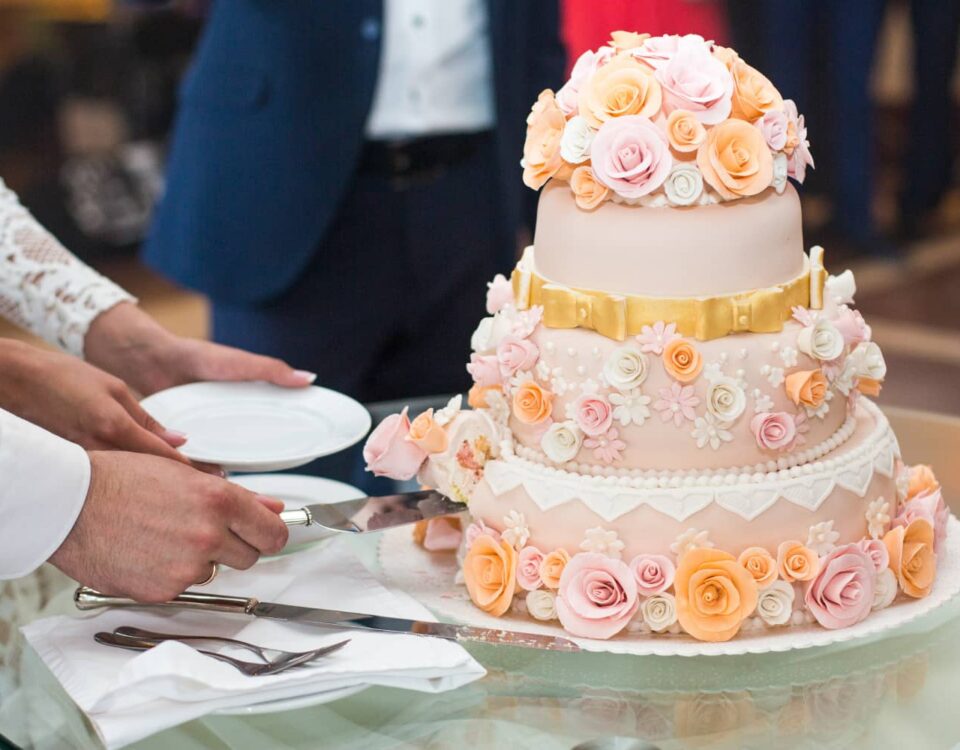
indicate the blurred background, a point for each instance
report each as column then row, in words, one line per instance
column 88, row 92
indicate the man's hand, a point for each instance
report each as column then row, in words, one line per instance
column 128, row 343
column 151, row 528
column 79, row 402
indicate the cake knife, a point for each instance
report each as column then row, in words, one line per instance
column 87, row 598
column 373, row 513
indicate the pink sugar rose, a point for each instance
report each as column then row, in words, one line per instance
column 442, row 535
column 478, row 529
column 841, row 595
column 653, row 573
column 657, row 51
column 389, row 454
column 773, row 126
column 499, row 294
column 594, row 415
column 597, row 595
column 630, row 155
column 801, row 158
column 852, row 326
column 529, row 560
column 877, row 551
column 694, row 80
column 515, row 354
column 928, row 505
column 568, row 97
column 774, row 431
column 485, row 370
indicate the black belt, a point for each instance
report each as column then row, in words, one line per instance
column 419, row 157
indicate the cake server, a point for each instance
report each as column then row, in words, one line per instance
column 373, row 513
column 87, row 598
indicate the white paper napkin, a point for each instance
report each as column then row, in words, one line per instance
column 130, row 695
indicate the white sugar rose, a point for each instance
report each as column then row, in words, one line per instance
column 542, row 604
column 726, row 399
column 775, row 603
column 576, row 139
column 490, row 332
column 821, row 341
column 841, row 288
column 779, row 172
column 868, row 361
column 659, row 611
column 884, row 589
column 683, row 185
column 561, row 442
column 625, row 368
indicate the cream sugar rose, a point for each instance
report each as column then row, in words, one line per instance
column 668, row 432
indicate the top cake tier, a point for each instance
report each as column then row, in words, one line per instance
column 703, row 250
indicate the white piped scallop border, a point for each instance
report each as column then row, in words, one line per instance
column 679, row 497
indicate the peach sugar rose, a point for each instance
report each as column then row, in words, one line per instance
column 532, row 403
column 912, row 558
column 587, row 191
column 552, row 568
column 760, row 564
column 684, row 131
column 541, row 150
column 624, row 40
column 922, row 479
column 714, row 593
column 735, row 160
column 623, row 86
column 426, row 433
column 489, row 571
column 807, row 387
column 682, row 360
column 753, row 93
column 797, row 562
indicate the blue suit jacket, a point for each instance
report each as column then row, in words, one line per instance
column 270, row 127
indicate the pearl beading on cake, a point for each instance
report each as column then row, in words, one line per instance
column 789, row 461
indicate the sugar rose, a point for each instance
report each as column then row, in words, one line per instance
column 593, row 414
column 685, row 132
column 532, row 403
column 515, row 354
column 388, row 453
column 529, row 561
column 541, row 151
column 552, row 568
column 842, row 593
column 753, row 94
column 797, row 562
column 714, row 593
column 587, row 191
column 774, row 431
column 807, row 387
column 654, row 573
column 912, row 558
column 630, row 156
column 623, row 40
column 735, row 160
column 621, row 87
column 760, row 564
column 425, row 432
column 489, row 571
column 597, row 595
column 922, row 479
column 682, row 360
column 696, row 81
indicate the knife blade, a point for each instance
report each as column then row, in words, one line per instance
column 86, row 599
column 373, row 513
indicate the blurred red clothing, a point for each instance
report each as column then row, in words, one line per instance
column 586, row 24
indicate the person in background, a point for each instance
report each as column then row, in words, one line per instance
column 344, row 178
column 587, row 24
column 90, row 481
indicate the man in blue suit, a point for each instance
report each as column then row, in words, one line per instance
column 344, row 178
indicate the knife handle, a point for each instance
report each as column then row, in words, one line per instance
column 297, row 517
column 86, row 598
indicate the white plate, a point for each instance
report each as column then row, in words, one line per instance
column 258, row 426
column 291, row 704
column 297, row 490
column 428, row 577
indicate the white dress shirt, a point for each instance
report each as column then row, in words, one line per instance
column 436, row 70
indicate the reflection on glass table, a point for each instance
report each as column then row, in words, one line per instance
column 896, row 690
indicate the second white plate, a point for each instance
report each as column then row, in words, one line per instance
column 257, row 426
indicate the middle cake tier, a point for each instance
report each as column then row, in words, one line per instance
column 745, row 403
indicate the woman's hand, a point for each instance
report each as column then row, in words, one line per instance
column 79, row 402
column 128, row 343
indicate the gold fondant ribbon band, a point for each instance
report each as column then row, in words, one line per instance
column 617, row 316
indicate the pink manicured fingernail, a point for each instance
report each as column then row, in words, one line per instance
column 305, row 375
column 174, row 437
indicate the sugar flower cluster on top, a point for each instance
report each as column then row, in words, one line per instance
column 666, row 120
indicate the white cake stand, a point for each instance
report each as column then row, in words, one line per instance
column 429, row 577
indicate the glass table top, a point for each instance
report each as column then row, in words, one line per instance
column 895, row 690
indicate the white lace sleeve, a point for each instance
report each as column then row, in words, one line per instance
column 43, row 287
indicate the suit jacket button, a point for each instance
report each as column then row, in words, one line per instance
column 370, row 29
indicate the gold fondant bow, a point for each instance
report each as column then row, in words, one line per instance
column 617, row 316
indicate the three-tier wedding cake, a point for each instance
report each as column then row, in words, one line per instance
column 669, row 431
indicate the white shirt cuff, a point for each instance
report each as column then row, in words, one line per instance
column 43, row 485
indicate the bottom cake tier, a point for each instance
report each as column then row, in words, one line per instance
column 704, row 553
